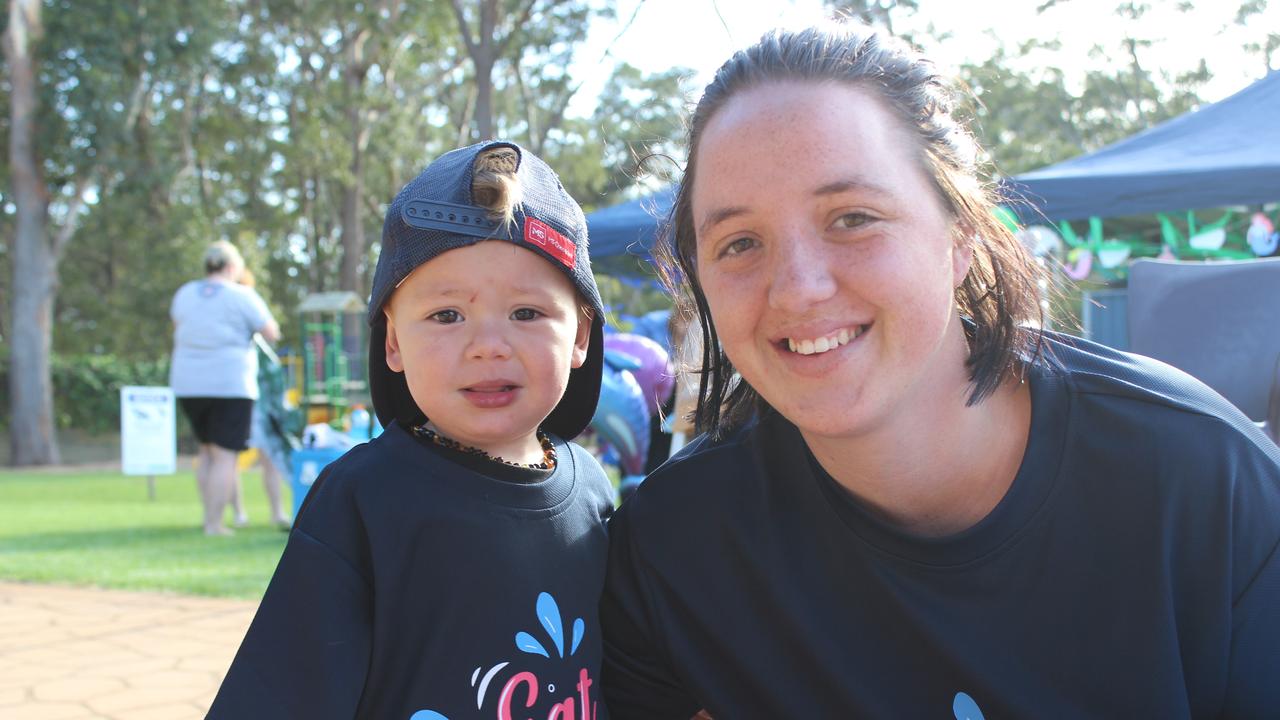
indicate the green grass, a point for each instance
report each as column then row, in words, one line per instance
column 98, row 528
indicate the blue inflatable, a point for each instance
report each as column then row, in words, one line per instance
column 621, row 418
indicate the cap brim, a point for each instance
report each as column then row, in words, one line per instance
column 578, row 404
column 389, row 391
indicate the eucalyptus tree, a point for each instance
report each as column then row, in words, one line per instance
column 1266, row 44
column 1032, row 113
column 85, row 100
column 639, row 121
column 346, row 68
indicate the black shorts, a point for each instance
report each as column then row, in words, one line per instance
column 219, row 421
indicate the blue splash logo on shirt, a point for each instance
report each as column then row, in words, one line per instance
column 963, row 706
column 548, row 613
column 549, row 616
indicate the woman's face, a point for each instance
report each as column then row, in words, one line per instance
column 827, row 258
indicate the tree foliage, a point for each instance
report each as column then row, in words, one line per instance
column 284, row 126
column 1031, row 118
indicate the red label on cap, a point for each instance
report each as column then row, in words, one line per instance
column 544, row 236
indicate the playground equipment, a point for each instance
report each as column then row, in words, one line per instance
column 334, row 343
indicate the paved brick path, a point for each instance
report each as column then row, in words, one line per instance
column 82, row 654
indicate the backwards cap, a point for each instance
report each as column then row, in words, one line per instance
column 435, row 213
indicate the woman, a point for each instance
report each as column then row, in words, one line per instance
column 214, row 373
column 911, row 503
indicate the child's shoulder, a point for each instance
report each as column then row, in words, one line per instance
column 389, row 458
column 587, row 470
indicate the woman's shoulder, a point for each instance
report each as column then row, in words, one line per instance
column 699, row 477
column 1126, row 406
column 245, row 294
column 185, row 291
column 1136, row 383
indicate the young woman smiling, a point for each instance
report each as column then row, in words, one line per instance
column 911, row 502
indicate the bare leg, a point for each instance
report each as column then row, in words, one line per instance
column 241, row 518
column 272, row 482
column 221, row 479
column 204, row 462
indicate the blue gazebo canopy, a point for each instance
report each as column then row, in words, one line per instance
column 629, row 227
column 1226, row 153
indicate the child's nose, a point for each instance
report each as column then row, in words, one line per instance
column 489, row 342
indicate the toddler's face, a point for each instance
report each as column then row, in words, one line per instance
column 486, row 336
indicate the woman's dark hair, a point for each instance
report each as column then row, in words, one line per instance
column 1000, row 294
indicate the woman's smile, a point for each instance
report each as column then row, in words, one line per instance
column 831, row 283
column 826, row 342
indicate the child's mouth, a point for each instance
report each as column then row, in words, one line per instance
column 495, row 394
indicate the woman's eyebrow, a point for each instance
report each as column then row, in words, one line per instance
column 719, row 215
column 851, row 185
column 834, row 187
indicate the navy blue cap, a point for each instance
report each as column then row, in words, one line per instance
column 435, row 213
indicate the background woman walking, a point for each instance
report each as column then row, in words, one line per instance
column 214, row 372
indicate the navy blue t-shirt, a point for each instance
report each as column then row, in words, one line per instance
column 1130, row 571
column 416, row 587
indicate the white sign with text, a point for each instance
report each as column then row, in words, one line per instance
column 148, row 431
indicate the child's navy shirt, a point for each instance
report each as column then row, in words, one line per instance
column 414, row 587
column 1130, row 571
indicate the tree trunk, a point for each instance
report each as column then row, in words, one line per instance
column 31, row 428
column 353, row 242
column 484, row 98
column 483, row 49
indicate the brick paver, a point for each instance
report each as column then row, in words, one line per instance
column 85, row 654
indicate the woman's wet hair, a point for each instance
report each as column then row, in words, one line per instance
column 495, row 185
column 1000, row 295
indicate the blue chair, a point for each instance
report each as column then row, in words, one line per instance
column 1217, row 321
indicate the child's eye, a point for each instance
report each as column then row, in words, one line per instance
column 738, row 246
column 446, row 317
column 850, row 221
column 525, row 314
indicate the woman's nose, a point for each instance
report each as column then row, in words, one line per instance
column 801, row 274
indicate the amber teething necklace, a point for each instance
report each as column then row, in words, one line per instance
column 548, row 449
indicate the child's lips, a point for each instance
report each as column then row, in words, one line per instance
column 491, row 394
column 491, row 386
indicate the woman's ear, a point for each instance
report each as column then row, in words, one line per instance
column 583, row 338
column 392, row 346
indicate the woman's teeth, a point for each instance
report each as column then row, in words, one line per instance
column 823, row 344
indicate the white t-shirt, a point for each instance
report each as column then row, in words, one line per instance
column 213, row 353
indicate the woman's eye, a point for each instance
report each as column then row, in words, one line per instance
column 852, row 220
column 525, row 314
column 737, row 247
column 446, row 317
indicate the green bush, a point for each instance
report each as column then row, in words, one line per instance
column 86, row 389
